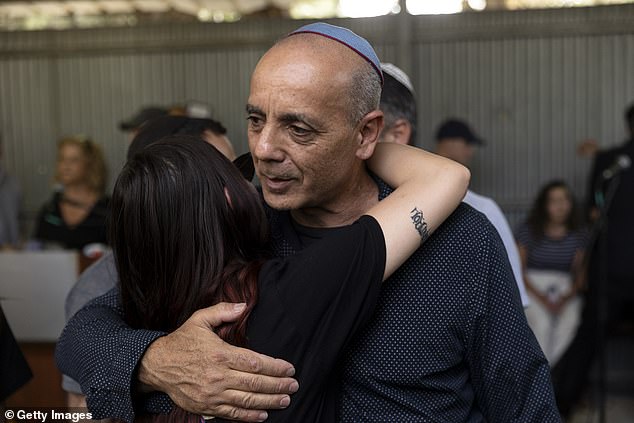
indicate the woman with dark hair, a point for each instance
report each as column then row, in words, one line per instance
column 100, row 278
column 189, row 231
column 552, row 248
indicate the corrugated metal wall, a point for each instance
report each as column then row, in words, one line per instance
column 533, row 84
column 533, row 100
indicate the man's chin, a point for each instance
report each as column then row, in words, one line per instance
column 277, row 201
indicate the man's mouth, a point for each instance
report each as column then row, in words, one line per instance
column 275, row 184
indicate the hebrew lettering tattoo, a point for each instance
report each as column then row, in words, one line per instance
column 419, row 223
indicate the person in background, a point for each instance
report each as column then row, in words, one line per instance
column 587, row 148
column 198, row 115
column 398, row 104
column 552, row 245
column 10, row 202
column 210, row 130
column 76, row 214
column 456, row 140
column 135, row 122
column 101, row 277
column 216, row 135
column 615, row 290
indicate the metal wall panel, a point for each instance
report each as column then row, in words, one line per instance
column 532, row 83
column 26, row 122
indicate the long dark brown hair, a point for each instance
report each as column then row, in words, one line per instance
column 179, row 243
column 538, row 217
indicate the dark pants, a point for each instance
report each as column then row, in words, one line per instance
column 14, row 370
column 570, row 375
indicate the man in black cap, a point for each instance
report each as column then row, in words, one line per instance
column 457, row 141
column 133, row 123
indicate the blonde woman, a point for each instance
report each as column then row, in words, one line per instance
column 76, row 214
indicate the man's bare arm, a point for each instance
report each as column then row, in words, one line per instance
column 204, row 375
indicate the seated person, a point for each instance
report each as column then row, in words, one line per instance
column 76, row 215
column 552, row 248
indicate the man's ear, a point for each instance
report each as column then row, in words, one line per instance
column 399, row 133
column 368, row 131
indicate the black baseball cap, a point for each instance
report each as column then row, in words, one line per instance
column 455, row 128
column 142, row 116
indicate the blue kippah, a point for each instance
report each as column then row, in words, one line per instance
column 346, row 37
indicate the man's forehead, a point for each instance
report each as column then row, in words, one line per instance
column 286, row 102
column 303, row 64
column 308, row 70
column 303, row 48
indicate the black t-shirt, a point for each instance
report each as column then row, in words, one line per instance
column 620, row 248
column 52, row 228
column 309, row 307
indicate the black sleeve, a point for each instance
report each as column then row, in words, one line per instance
column 315, row 300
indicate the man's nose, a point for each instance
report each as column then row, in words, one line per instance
column 268, row 144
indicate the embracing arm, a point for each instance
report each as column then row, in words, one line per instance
column 101, row 352
column 428, row 189
column 205, row 375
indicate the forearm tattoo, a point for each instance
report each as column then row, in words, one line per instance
column 419, row 223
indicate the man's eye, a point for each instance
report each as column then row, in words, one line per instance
column 254, row 121
column 299, row 131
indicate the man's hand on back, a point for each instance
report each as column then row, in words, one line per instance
column 203, row 374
